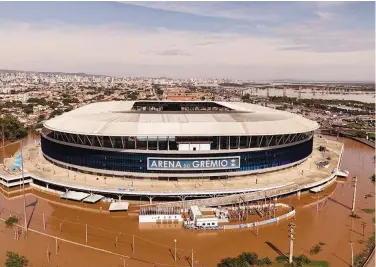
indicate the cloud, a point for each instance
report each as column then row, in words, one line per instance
column 162, row 52
column 226, row 10
column 325, row 15
column 322, row 36
column 171, row 52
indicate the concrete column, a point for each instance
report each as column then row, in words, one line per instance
column 298, row 194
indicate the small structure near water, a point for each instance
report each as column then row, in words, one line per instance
column 160, row 215
column 198, row 219
column 119, row 206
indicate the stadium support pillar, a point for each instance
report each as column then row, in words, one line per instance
column 150, row 199
column 120, row 196
column 47, row 185
column 298, row 194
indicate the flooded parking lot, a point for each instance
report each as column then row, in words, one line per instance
column 326, row 222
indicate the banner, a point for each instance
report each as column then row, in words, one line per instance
column 185, row 164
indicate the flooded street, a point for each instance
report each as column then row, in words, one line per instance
column 326, row 222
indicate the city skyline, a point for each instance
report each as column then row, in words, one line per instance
column 319, row 41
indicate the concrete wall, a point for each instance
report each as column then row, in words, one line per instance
column 159, row 217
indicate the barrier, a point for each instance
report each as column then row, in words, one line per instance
column 269, row 221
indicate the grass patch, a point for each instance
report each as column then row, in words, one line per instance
column 369, row 211
column 300, row 260
column 361, row 241
column 373, row 219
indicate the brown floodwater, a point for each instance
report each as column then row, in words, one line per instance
column 326, row 222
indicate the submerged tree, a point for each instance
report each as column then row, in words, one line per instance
column 15, row 260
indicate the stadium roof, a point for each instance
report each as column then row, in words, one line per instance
column 118, row 118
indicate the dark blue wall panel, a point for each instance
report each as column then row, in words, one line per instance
column 137, row 162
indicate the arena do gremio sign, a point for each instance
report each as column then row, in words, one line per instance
column 193, row 163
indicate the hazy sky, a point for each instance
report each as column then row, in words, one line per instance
column 240, row 40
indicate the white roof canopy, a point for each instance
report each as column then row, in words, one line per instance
column 116, row 118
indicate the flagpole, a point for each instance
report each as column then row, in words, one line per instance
column 3, row 138
column 23, row 186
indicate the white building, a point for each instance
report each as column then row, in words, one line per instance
column 160, row 215
column 207, row 221
column 199, row 220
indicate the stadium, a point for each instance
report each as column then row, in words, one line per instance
column 178, row 150
column 177, row 139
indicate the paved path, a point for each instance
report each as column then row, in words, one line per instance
column 36, row 164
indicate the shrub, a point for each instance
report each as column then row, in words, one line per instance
column 369, row 211
column 11, row 220
column 353, row 215
column 249, row 257
column 281, row 259
column 301, row 260
column 315, row 250
column 15, row 260
column 245, row 259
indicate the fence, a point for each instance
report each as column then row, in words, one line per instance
column 79, row 233
column 269, row 221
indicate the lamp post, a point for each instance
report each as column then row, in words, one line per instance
column 175, row 249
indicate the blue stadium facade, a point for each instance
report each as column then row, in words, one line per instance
column 135, row 162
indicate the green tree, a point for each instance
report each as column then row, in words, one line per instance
column 301, row 260
column 249, row 257
column 11, row 221
column 203, row 98
column 13, row 128
column 15, row 260
column 56, row 112
column 226, row 262
column 159, row 91
column 41, row 117
column 245, row 259
column 246, row 97
column 39, row 101
column 28, row 109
